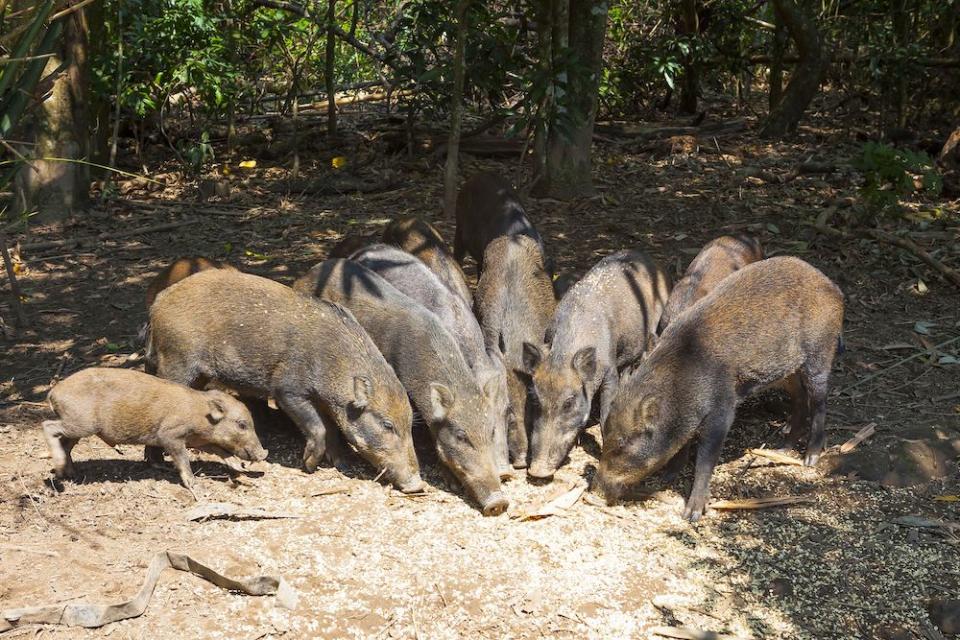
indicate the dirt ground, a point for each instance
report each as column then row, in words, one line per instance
column 368, row 562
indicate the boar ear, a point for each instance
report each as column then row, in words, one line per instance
column 441, row 401
column 585, row 362
column 217, row 409
column 362, row 390
column 648, row 411
column 531, row 357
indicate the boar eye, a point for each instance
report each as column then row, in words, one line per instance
column 569, row 403
column 461, row 436
column 242, row 424
column 388, row 426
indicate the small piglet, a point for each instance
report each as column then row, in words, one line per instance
column 774, row 320
column 130, row 407
column 718, row 259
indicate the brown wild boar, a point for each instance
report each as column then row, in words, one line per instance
column 129, row 407
column 603, row 324
column 419, row 238
column 263, row 339
column 431, row 366
column 770, row 321
column 178, row 270
column 487, row 208
column 515, row 304
column 717, row 260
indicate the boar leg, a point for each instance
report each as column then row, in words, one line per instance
column 311, row 425
column 713, row 431
column 153, row 455
column 676, row 464
column 60, row 447
column 816, row 386
column 799, row 412
column 608, row 390
column 459, row 251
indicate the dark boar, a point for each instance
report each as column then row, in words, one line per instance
column 130, row 407
column 717, row 260
column 413, row 278
column 515, row 304
column 263, row 339
column 428, row 361
column 419, row 238
column 487, row 208
column 772, row 320
column 603, row 323
column 180, row 269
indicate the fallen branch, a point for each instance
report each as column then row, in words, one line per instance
column 98, row 615
column 858, row 437
column 951, row 275
column 227, row 511
column 49, row 244
column 685, row 633
column 758, row 503
column 776, row 456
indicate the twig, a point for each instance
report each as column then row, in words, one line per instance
column 15, row 293
column 49, row 244
column 859, row 437
column 898, row 363
column 69, row 10
column 759, row 503
column 776, row 456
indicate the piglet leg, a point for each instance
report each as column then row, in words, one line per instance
column 181, row 460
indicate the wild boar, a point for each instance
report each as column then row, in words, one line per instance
column 413, row 278
column 515, row 304
column 487, row 208
column 263, row 339
column 180, row 269
column 603, row 324
column 717, row 260
column 129, row 407
column 427, row 359
column 419, row 238
column 771, row 320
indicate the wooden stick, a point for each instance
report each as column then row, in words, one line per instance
column 951, row 275
column 22, row 321
column 49, row 244
column 776, row 456
column 759, row 503
column 859, row 437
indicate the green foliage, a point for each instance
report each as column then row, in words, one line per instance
column 890, row 173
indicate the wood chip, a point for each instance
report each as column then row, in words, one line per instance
column 776, row 456
column 859, row 437
column 557, row 505
column 759, row 503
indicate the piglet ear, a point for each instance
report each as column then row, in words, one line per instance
column 532, row 356
column 216, row 409
column 362, row 390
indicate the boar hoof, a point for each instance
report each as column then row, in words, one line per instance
column 694, row 509
column 311, row 457
column 811, row 459
column 495, row 504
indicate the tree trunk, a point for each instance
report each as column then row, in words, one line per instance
column 805, row 79
column 776, row 62
column 331, row 68
column 900, row 36
column 55, row 188
column 581, row 26
column 544, row 18
column 690, row 86
column 456, row 112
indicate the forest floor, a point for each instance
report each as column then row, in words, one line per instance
column 855, row 559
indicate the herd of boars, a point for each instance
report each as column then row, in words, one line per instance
column 505, row 377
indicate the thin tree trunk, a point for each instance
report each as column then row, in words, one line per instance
column 542, row 112
column 900, row 35
column 776, row 62
column 331, row 67
column 805, row 79
column 690, row 86
column 456, row 112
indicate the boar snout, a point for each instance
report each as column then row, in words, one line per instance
column 255, row 454
column 494, row 504
column 540, row 470
column 410, row 484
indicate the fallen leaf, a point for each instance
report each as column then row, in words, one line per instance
column 248, row 164
column 920, row 287
column 947, row 498
column 339, row 162
column 948, row 360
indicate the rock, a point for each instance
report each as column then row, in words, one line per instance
column 945, row 614
column 902, row 459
